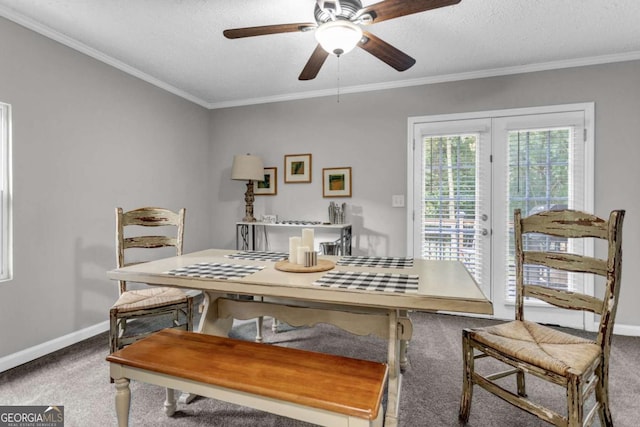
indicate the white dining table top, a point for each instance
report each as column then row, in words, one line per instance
column 443, row 285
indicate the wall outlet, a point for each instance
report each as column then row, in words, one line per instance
column 397, row 201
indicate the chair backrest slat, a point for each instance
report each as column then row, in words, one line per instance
column 151, row 217
column 147, row 217
column 567, row 262
column 564, row 299
column 149, row 242
column 566, row 223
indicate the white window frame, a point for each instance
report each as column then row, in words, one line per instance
column 6, row 201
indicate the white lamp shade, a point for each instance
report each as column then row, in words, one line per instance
column 338, row 37
column 247, row 167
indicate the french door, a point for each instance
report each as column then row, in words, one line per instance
column 452, row 194
column 469, row 172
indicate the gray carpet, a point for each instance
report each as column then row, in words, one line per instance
column 77, row 377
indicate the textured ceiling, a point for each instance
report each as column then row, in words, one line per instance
column 178, row 44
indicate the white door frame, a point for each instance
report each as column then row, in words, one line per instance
column 589, row 116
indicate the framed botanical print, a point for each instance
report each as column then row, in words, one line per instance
column 297, row 168
column 268, row 186
column 336, row 182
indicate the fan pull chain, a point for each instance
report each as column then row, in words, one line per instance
column 338, row 78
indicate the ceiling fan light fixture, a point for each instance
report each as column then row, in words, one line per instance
column 338, row 37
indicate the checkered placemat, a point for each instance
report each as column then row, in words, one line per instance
column 365, row 281
column 215, row 270
column 376, row 261
column 259, row 256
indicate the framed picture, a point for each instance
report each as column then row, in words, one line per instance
column 336, row 182
column 268, row 186
column 297, row 168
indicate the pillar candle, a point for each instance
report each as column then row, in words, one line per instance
column 310, row 259
column 294, row 243
column 301, row 251
column 307, row 238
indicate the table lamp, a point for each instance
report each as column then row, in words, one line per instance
column 248, row 168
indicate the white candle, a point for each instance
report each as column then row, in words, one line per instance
column 301, row 251
column 294, row 243
column 307, row 238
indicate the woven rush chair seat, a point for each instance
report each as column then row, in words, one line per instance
column 139, row 299
column 540, row 346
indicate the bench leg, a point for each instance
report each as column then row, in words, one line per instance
column 170, row 403
column 123, row 401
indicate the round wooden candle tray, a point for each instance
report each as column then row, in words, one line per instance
column 323, row 265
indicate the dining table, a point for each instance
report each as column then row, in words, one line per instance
column 361, row 294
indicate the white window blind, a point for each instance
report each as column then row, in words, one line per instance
column 545, row 172
column 451, row 203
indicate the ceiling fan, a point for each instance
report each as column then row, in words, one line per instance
column 338, row 29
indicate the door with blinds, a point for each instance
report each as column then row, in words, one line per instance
column 452, row 194
column 468, row 174
column 540, row 161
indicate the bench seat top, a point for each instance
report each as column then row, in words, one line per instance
column 338, row 384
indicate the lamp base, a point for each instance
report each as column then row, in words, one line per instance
column 248, row 200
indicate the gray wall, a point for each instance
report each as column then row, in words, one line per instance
column 87, row 138
column 368, row 131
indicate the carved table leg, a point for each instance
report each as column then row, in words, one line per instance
column 406, row 332
column 395, row 377
column 259, row 323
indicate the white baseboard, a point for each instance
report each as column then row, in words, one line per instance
column 618, row 329
column 32, row 353
column 629, row 330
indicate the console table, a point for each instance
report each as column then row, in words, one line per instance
column 246, row 233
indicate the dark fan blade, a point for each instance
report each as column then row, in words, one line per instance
column 238, row 33
column 314, row 64
column 390, row 9
column 385, row 52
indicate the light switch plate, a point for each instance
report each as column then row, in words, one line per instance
column 397, row 201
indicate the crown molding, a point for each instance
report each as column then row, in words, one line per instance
column 39, row 28
column 480, row 74
column 29, row 23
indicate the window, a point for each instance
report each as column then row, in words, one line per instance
column 6, row 247
column 540, row 178
column 451, row 203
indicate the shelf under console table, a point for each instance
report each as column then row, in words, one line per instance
column 246, row 233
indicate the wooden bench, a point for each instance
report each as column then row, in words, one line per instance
column 314, row 387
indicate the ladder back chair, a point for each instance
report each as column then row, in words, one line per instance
column 578, row 364
column 151, row 301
